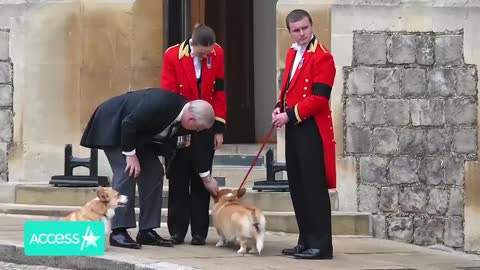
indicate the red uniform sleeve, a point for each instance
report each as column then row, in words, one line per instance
column 168, row 76
column 219, row 97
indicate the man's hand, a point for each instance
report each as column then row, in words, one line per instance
column 218, row 140
column 133, row 166
column 275, row 112
column 210, row 184
column 280, row 119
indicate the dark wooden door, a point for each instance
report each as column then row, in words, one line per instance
column 232, row 21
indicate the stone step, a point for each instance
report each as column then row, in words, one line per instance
column 238, row 160
column 234, row 175
column 343, row 223
column 50, row 195
column 245, row 149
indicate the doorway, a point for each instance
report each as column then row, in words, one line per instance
column 232, row 21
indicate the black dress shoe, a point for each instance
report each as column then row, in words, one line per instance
column 177, row 239
column 296, row 249
column 198, row 240
column 150, row 237
column 313, row 254
column 123, row 239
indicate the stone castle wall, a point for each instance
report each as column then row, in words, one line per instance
column 6, row 103
column 410, row 121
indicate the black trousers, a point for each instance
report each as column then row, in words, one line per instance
column 188, row 200
column 307, row 182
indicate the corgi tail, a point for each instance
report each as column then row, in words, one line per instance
column 258, row 219
column 259, row 223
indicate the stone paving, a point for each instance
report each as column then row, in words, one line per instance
column 350, row 253
column 15, row 266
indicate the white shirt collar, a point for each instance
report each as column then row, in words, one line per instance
column 192, row 49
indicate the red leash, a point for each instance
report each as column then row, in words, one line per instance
column 256, row 158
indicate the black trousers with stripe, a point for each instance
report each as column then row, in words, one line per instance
column 308, row 187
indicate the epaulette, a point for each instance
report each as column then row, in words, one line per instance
column 184, row 50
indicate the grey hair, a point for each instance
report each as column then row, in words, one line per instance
column 202, row 112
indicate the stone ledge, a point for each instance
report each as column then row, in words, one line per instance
column 44, row 194
column 13, row 252
column 419, row 3
column 389, row 3
column 343, row 223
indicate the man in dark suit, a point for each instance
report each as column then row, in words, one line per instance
column 126, row 127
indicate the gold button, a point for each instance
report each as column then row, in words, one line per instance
column 306, row 80
column 305, row 88
column 181, row 85
column 304, row 95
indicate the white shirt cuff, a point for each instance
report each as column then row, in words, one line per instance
column 204, row 174
column 130, row 153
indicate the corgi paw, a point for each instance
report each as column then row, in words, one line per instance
column 221, row 243
column 242, row 251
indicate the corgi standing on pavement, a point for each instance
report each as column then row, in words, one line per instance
column 100, row 208
column 235, row 221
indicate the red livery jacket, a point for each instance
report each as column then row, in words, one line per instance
column 178, row 75
column 308, row 96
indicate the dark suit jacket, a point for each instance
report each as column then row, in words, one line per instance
column 132, row 119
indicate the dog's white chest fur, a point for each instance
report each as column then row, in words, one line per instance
column 107, row 219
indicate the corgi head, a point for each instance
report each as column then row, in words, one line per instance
column 227, row 194
column 111, row 197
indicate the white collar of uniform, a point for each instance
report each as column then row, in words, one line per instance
column 297, row 47
column 192, row 49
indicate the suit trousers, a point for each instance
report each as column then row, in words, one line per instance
column 188, row 200
column 307, row 182
column 150, row 188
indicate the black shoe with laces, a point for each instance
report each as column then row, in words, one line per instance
column 198, row 240
column 150, row 237
column 121, row 238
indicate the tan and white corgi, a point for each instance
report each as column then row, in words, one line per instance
column 236, row 221
column 101, row 208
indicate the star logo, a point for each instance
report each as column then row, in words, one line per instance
column 89, row 239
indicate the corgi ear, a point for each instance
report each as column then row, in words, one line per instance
column 102, row 194
column 241, row 192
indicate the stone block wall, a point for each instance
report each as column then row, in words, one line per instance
column 410, row 121
column 6, row 102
